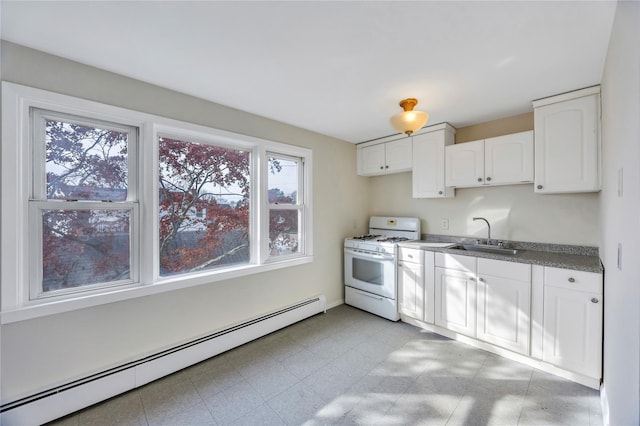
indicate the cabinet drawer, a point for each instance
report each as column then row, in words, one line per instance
column 410, row 255
column 575, row 280
column 456, row 262
column 501, row 268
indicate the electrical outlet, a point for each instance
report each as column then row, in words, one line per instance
column 444, row 224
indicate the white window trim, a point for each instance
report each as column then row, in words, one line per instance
column 15, row 192
column 302, row 205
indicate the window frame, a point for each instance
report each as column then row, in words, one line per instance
column 39, row 202
column 300, row 206
column 208, row 138
column 17, row 184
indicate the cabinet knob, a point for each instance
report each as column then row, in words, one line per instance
column 439, row 192
column 472, row 279
column 539, row 187
column 386, row 167
column 479, row 179
column 572, row 280
column 481, row 280
column 488, row 179
column 594, row 300
column 381, row 167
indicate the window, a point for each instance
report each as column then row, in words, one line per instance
column 101, row 204
column 82, row 208
column 285, row 205
column 203, row 206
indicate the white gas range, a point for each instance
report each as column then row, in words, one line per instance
column 370, row 264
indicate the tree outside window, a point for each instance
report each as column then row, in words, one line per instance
column 85, row 166
column 204, row 206
column 285, row 207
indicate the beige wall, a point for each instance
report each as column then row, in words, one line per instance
column 620, row 222
column 500, row 127
column 514, row 211
column 40, row 352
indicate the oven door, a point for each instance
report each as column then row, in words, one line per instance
column 371, row 272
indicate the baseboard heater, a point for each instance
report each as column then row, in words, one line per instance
column 75, row 395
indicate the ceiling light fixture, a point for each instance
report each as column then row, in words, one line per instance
column 408, row 121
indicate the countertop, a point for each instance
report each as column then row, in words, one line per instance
column 567, row 257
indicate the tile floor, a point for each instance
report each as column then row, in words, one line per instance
column 348, row 367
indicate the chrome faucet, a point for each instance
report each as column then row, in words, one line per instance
column 488, row 227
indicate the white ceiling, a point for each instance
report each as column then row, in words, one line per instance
column 337, row 68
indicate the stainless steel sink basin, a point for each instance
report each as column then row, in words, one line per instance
column 484, row 248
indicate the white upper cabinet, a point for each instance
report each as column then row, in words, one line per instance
column 509, row 159
column 503, row 160
column 428, row 162
column 371, row 160
column 465, row 164
column 390, row 157
column 567, row 142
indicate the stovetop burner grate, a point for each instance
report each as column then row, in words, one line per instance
column 393, row 239
column 366, row 237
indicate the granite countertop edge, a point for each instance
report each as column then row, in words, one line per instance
column 580, row 258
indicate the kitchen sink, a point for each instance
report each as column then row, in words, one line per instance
column 485, row 248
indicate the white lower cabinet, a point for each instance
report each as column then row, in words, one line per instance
column 455, row 293
column 504, row 304
column 484, row 298
column 547, row 314
column 455, row 301
column 573, row 320
column 411, row 291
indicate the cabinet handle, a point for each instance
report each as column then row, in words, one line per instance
column 481, row 280
column 594, row 300
column 539, row 187
column 386, row 167
column 572, row 280
column 479, row 179
column 381, row 167
column 488, row 179
column 472, row 279
column 439, row 192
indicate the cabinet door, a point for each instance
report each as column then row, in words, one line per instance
column 398, row 156
column 567, row 144
column 455, row 301
column 411, row 290
column 428, row 165
column 573, row 330
column 465, row 164
column 509, row 159
column 371, row 160
column 429, row 286
column 504, row 307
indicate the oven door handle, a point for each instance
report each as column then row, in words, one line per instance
column 368, row 255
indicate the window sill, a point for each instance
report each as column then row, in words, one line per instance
column 24, row 313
